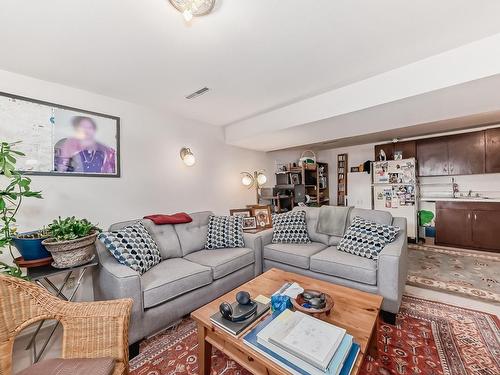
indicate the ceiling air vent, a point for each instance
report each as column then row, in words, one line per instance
column 200, row 92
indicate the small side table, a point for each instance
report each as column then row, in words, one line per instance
column 37, row 274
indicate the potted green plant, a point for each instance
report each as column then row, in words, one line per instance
column 12, row 193
column 30, row 246
column 71, row 242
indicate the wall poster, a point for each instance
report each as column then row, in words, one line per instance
column 60, row 140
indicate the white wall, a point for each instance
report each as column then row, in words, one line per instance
column 154, row 179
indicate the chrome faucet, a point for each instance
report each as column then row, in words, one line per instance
column 469, row 194
column 455, row 187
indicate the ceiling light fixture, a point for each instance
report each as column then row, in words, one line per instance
column 193, row 8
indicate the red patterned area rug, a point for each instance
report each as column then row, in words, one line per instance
column 429, row 338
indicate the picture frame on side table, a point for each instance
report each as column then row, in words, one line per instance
column 243, row 212
column 249, row 223
column 263, row 215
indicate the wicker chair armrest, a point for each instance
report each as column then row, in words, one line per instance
column 96, row 329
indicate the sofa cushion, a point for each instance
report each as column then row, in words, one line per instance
column 75, row 366
column 172, row 278
column 293, row 254
column 132, row 246
column 224, row 232
column 193, row 235
column 290, row 227
column 334, row 240
column 379, row 217
column 366, row 238
column 223, row 261
column 166, row 239
column 312, row 214
column 347, row 266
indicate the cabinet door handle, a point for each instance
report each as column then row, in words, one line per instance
column 468, row 216
column 475, row 216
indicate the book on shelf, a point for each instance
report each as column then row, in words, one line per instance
column 296, row 365
column 235, row 328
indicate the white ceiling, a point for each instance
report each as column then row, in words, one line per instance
column 255, row 55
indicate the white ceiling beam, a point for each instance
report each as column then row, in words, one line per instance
column 467, row 63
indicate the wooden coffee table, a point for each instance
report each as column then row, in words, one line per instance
column 354, row 310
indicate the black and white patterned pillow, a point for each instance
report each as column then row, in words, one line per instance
column 132, row 246
column 224, row 232
column 366, row 238
column 290, row 227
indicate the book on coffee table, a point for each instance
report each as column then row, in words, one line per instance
column 235, row 328
column 312, row 340
column 294, row 364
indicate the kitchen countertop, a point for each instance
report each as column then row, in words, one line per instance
column 460, row 199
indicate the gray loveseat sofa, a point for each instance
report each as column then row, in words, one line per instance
column 188, row 276
column 321, row 259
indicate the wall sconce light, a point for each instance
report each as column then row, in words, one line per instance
column 187, row 156
column 256, row 180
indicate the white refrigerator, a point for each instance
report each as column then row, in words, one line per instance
column 359, row 190
column 394, row 187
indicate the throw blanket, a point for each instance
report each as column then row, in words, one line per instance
column 332, row 220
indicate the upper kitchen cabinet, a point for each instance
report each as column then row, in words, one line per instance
column 493, row 150
column 407, row 148
column 432, row 156
column 466, row 153
column 388, row 149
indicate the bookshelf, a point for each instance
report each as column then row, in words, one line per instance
column 314, row 178
column 341, row 179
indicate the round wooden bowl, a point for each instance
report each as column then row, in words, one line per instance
column 299, row 301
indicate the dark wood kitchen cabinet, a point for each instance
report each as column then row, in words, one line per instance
column 408, row 148
column 450, row 226
column 492, row 150
column 466, row 153
column 432, row 156
column 473, row 225
column 459, row 154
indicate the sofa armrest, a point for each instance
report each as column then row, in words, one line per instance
column 267, row 237
column 253, row 241
column 393, row 268
column 113, row 280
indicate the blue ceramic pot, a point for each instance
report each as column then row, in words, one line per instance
column 30, row 248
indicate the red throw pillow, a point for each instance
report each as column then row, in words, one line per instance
column 178, row 218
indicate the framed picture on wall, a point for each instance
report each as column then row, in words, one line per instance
column 61, row 140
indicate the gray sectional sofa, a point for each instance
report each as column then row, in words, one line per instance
column 188, row 276
column 321, row 259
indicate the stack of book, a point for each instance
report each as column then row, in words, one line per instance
column 303, row 344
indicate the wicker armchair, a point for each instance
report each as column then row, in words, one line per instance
column 90, row 330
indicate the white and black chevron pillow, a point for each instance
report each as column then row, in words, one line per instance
column 290, row 227
column 224, row 232
column 366, row 238
column 132, row 246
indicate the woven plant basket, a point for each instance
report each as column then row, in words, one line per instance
column 71, row 253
